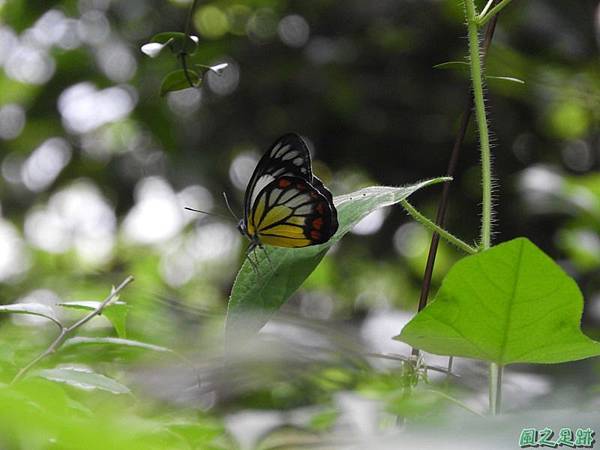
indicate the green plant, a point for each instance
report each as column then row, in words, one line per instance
column 503, row 339
column 114, row 310
column 474, row 314
column 184, row 46
column 257, row 294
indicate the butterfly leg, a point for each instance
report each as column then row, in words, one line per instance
column 254, row 263
column 267, row 255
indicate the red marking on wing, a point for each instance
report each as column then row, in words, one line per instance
column 315, row 235
column 283, row 183
column 317, row 223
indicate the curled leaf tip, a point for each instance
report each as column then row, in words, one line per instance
column 219, row 68
column 152, row 49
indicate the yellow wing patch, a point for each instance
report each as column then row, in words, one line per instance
column 290, row 212
column 280, row 241
column 274, row 214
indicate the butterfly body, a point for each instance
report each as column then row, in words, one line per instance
column 285, row 204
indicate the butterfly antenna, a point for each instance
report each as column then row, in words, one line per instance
column 229, row 207
column 208, row 213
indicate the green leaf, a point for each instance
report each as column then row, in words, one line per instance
column 510, row 304
column 459, row 65
column 116, row 312
column 175, row 40
column 84, row 379
column 81, row 340
column 34, row 309
column 510, row 79
column 176, row 81
column 257, row 294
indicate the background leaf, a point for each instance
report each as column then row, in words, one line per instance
column 176, row 81
column 82, row 340
column 458, row 65
column 84, row 379
column 256, row 295
column 116, row 312
column 510, row 304
column 34, row 309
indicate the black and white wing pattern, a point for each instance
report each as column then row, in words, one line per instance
column 288, row 156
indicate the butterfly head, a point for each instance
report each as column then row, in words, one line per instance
column 254, row 239
column 241, row 226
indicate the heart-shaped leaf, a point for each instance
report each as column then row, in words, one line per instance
column 509, row 304
column 257, row 294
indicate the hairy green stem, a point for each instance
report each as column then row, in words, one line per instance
column 486, row 16
column 482, row 125
column 410, row 209
column 495, row 376
column 452, row 164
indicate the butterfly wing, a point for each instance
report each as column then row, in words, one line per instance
column 291, row 212
column 319, row 186
column 288, row 156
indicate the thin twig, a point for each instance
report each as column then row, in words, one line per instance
column 453, row 162
column 65, row 331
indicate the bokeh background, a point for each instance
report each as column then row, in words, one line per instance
column 96, row 169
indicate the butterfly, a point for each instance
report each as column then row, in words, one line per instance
column 285, row 205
